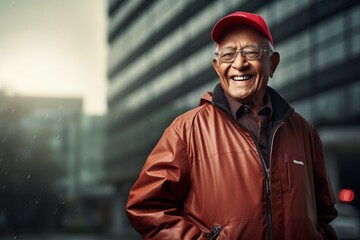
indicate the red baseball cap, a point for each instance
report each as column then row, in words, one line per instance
column 237, row 18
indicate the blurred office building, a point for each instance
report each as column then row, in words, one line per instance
column 56, row 121
column 160, row 64
column 95, row 195
column 51, row 165
column 40, row 152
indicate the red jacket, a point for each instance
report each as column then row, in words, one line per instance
column 206, row 178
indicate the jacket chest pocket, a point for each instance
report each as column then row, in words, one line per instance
column 294, row 171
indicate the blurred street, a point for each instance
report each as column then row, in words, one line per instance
column 67, row 237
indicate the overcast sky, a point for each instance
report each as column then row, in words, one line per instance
column 54, row 48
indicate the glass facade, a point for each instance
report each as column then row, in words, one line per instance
column 160, row 64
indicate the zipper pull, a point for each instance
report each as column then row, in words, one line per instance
column 267, row 181
column 215, row 231
column 268, row 174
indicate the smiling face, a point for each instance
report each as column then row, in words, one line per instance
column 245, row 81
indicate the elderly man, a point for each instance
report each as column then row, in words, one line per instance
column 242, row 165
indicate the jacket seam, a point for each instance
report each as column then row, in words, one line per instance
column 189, row 166
column 221, row 153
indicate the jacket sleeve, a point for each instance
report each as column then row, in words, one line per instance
column 325, row 198
column 155, row 201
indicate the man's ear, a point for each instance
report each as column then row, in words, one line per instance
column 216, row 65
column 275, row 59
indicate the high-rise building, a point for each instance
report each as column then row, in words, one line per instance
column 160, row 64
column 60, row 119
column 40, row 160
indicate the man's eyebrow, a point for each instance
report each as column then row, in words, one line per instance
column 244, row 46
column 251, row 45
column 228, row 46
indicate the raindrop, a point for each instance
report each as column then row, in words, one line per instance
column 60, row 107
column 35, row 136
column 15, row 237
column 4, row 139
column 56, row 211
column 117, row 115
column 28, row 176
column 13, row 110
column 47, row 115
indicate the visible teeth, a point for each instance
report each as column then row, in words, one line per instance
column 240, row 78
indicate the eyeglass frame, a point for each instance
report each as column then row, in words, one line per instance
column 237, row 51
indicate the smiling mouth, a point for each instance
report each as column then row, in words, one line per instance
column 241, row 78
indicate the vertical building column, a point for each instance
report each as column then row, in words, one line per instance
column 120, row 224
column 118, row 215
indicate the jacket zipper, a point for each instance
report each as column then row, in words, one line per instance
column 267, row 186
column 266, row 171
column 277, row 126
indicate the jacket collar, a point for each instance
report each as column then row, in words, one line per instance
column 281, row 108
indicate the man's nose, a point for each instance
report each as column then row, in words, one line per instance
column 240, row 61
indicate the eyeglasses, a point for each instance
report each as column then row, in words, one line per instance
column 228, row 55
